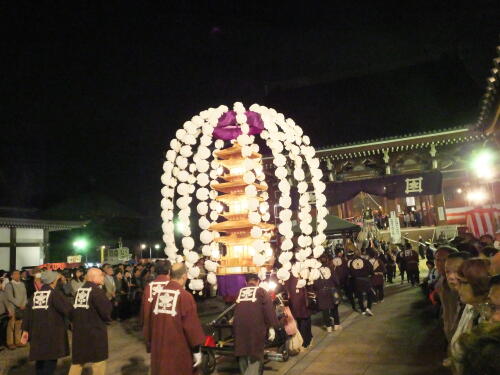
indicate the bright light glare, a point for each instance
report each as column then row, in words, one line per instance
column 483, row 164
column 157, row 246
column 143, row 246
column 268, row 285
column 179, row 226
column 477, row 196
column 459, row 191
column 80, row 244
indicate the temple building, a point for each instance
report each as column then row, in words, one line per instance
column 425, row 176
column 24, row 237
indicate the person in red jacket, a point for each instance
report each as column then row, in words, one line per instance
column 172, row 329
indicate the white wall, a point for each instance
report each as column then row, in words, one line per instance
column 29, row 235
column 5, row 235
column 28, row 256
column 4, row 258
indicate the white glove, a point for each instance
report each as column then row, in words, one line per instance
column 272, row 334
column 196, row 359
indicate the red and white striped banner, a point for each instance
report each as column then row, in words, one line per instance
column 482, row 221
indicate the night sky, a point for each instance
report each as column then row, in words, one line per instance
column 91, row 96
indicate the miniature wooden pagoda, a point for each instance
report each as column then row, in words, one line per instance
column 237, row 238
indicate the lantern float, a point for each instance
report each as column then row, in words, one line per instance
column 215, row 158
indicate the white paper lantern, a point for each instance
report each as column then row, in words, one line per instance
column 202, row 179
column 206, row 250
column 202, row 194
column 280, row 172
column 192, row 257
column 283, row 274
column 187, row 243
column 285, row 201
column 206, row 237
column 284, row 186
column 203, row 223
column 212, row 278
column 301, row 283
column 196, row 284
column 203, row 166
column 214, row 215
column 318, row 251
column 249, row 177
column 287, row 244
column 279, row 160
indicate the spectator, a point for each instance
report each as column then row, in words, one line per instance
column 77, row 281
column 494, row 299
column 448, row 297
column 17, row 299
column 473, row 288
column 468, row 248
column 4, row 315
column 488, row 252
column 481, row 348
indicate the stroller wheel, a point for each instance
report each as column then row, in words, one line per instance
column 208, row 363
column 284, row 352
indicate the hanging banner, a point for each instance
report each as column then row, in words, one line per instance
column 395, row 186
column 394, row 228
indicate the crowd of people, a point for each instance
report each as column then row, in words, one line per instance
column 464, row 285
column 463, row 282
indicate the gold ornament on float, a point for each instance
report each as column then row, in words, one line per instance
column 246, row 238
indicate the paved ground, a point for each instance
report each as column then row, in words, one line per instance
column 402, row 338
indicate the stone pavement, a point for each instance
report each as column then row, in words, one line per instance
column 403, row 338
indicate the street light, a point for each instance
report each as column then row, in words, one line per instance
column 143, row 246
column 80, row 245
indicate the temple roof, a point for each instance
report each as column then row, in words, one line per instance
column 31, row 218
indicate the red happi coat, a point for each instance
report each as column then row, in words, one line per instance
column 170, row 332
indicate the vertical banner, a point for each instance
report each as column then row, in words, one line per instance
column 394, row 228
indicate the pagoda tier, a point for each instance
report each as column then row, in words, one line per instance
column 236, row 186
column 233, row 153
column 239, row 253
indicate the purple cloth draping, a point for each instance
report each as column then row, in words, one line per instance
column 230, row 285
column 228, row 128
column 387, row 186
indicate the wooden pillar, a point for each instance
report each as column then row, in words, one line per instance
column 45, row 245
column 12, row 258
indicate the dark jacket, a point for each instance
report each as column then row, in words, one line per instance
column 44, row 320
column 324, row 289
column 297, row 299
column 89, row 318
column 253, row 315
column 361, row 270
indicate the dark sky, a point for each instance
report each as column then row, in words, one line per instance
column 91, row 96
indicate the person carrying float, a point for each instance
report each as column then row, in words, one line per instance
column 172, row 329
column 254, row 321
